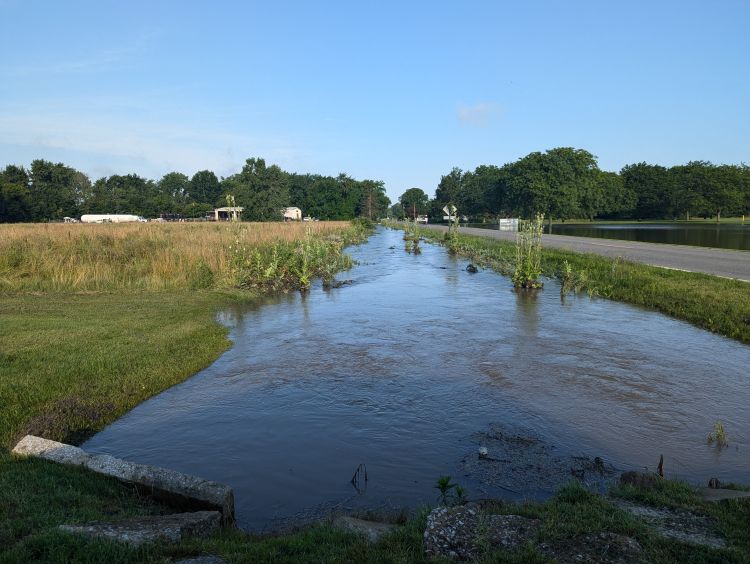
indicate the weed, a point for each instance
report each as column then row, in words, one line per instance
column 718, row 436
column 528, row 267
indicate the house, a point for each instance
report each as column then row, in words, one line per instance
column 226, row 214
column 292, row 214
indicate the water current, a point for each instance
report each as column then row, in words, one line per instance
column 415, row 365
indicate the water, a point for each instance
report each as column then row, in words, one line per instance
column 722, row 236
column 406, row 368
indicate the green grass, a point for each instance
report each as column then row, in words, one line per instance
column 73, row 363
column 717, row 304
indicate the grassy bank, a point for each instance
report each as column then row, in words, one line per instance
column 98, row 318
column 717, row 304
column 572, row 513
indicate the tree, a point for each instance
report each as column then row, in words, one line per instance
column 552, row 183
column 52, row 190
column 263, row 191
column 373, row 200
column 204, row 188
column 653, row 187
column 414, row 202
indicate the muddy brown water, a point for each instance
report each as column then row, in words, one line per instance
column 418, row 363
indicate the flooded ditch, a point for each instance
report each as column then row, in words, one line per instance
column 413, row 367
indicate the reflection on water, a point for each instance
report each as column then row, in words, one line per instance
column 717, row 235
column 402, row 369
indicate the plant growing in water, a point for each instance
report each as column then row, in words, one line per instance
column 718, row 436
column 528, row 267
column 450, row 493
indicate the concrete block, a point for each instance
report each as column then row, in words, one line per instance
column 173, row 488
column 142, row 530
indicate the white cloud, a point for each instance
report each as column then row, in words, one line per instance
column 476, row 115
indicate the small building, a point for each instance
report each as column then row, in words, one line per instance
column 226, row 214
column 292, row 214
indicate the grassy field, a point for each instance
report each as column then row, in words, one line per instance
column 717, row 304
column 138, row 256
column 98, row 318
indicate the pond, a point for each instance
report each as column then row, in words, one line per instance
column 717, row 235
column 418, row 363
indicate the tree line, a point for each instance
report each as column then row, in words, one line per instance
column 565, row 183
column 51, row 191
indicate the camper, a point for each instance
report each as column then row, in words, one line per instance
column 292, row 214
column 111, row 218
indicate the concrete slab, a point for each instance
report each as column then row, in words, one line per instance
column 175, row 489
column 135, row 532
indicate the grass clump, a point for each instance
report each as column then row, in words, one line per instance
column 528, row 258
column 718, row 436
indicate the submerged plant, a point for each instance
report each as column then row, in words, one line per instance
column 528, row 266
column 718, row 436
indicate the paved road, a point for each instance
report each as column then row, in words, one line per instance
column 720, row 262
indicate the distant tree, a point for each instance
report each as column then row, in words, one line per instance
column 414, row 202
column 396, row 211
column 204, row 188
column 450, row 188
column 263, row 191
column 552, row 183
column 52, row 190
column 653, row 187
column 373, row 200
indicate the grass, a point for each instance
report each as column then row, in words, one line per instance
column 73, row 363
column 98, row 318
column 717, row 304
column 137, row 256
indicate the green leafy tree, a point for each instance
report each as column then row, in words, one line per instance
column 415, row 202
column 204, row 188
column 262, row 190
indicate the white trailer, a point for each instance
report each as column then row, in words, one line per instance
column 111, row 218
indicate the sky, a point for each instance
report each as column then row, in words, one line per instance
column 394, row 91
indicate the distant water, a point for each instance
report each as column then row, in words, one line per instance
column 721, row 236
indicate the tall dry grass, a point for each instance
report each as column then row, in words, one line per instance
column 84, row 257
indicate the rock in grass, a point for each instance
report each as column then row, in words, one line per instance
column 594, row 547
column 370, row 529
column 460, row 532
column 141, row 530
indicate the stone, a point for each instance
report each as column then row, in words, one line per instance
column 720, row 494
column 370, row 529
column 604, row 547
column 172, row 488
column 678, row 524
column 460, row 532
column 142, row 530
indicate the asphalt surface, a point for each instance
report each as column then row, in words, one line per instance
column 719, row 262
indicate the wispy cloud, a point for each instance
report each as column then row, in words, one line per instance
column 476, row 115
column 159, row 147
column 99, row 59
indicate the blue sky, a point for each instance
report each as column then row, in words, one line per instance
column 398, row 91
